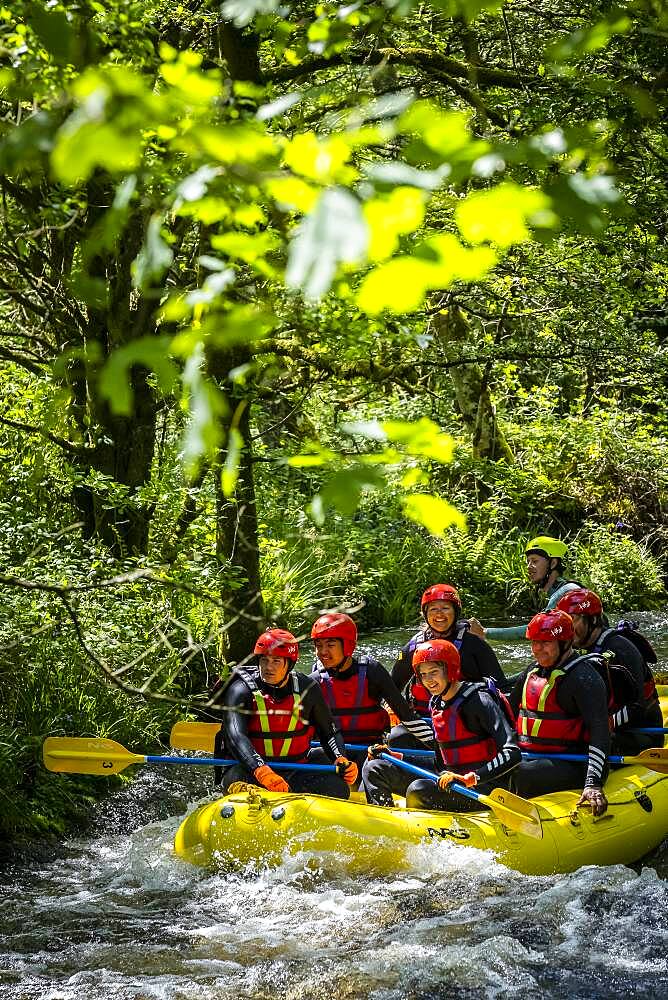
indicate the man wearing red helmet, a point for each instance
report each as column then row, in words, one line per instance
column 271, row 714
column 630, row 649
column 357, row 687
column 441, row 607
column 561, row 704
column 474, row 731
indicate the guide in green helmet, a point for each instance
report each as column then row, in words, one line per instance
column 545, row 557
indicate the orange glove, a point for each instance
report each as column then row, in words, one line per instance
column 378, row 748
column 394, row 719
column 347, row 769
column 270, row 780
column 447, row 777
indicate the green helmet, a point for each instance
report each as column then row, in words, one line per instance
column 543, row 545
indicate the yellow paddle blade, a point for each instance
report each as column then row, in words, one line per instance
column 75, row 755
column 656, row 759
column 194, row 736
column 514, row 812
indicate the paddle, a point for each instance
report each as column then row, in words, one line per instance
column 74, row 755
column 513, row 811
column 201, row 736
column 656, row 758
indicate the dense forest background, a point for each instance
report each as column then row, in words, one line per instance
column 308, row 306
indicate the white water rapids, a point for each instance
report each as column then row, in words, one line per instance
column 114, row 916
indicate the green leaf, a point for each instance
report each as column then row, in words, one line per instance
column 154, row 258
column 230, row 470
column 242, row 12
column 54, row 31
column 423, row 437
column 433, row 513
column 391, row 216
column 591, row 38
column 502, row 214
column 249, row 247
column 586, row 200
column 335, row 232
column 344, row 491
column 115, row 380
column 207, row 408
column 401, row 285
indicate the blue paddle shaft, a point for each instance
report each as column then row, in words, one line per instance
column 365, row 746
column 421, row 773
column 222, row 762
column 649, row 729
column 614, row 759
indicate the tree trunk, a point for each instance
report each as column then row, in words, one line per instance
column 123, row 447
column 471, row 385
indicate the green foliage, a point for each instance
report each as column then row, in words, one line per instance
column 399, row 266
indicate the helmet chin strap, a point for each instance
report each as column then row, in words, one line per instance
column 550, row 571
column 340, row 664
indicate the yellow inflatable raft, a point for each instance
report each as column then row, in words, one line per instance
column 255, row 824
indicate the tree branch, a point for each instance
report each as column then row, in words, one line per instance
column 425, row 59
column 79, row 450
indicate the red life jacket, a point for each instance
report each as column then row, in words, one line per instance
column 462, row 750
column 542, row 725
column 278, row 729
column 417, row 695
column 650, row 696
column 356, row 713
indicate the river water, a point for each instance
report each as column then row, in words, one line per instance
column 114, row 916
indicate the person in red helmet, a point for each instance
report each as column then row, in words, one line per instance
column 475, row 737
column 631, row 650
column 561, row 705
column 441, row 609
column 270, row 714
column 357, row 688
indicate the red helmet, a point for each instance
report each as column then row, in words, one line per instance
column 336, row 626
column 439, row 651
column 277, row 642
column 580, row 602
column 550, row 625
column 441, row 592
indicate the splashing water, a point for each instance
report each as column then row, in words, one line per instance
column 115, row 916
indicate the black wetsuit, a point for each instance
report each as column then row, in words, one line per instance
column 478, row 661
column 637, row 712
column 581, row 692
column 238, row 705
column 382, row 688
column 482, row 715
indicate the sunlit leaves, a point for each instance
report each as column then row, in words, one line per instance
column 335, row 232
column 502, row 215
column 439, row 137
column 421, row 438
column 401, row 284
column 320, row 159
column 230, row 470
column 231, row 144
column 95, row 135
column 390, row 217
column 433, row 513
